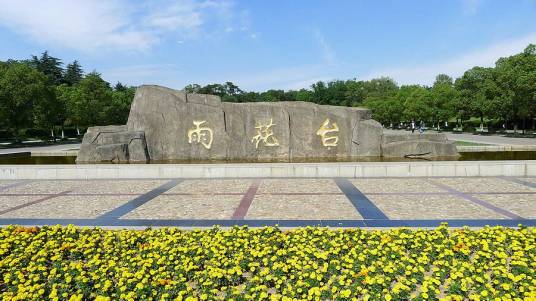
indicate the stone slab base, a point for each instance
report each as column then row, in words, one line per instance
column 272, row 170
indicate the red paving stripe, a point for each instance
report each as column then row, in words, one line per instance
column 475, row 200
column 246, row 201
column 33, row 202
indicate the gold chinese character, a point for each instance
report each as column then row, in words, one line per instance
column 201, row 135
column 265, row 134
column 324, row 130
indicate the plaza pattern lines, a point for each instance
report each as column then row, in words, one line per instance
column 287, row 202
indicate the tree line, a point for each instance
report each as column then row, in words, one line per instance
column 40, row 97
column 500, row 96
column 40, row 93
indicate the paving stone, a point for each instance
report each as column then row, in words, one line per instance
column 43, row 187
column 69, row 206
column 117, row 186
column 211, row 186
column 484, row 185
column 530, row 180
column 8, row 202
column 523, row 205
column 187, row 207
column 431, row 207
column 394, row 185
column 298, row 186
column 302, row 207
column 6, row 182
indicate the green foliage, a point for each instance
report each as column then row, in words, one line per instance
column 49, row 66
column 21, row 89
column 73, row 73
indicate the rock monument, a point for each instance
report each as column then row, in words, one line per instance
column 167, row 125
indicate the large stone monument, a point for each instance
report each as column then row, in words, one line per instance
column 173, row 126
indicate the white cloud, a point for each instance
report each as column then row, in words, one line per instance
column 112, row 24
column 425, row 74
column 328, row 54
column 82, row 25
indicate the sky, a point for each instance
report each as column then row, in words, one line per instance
column 262, row 45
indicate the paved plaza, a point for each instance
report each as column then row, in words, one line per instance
column 287, row 202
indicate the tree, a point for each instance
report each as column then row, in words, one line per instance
column 385, row 110
column 476, row 92
column 192, row 88
column 50, row 66
column 20, row 88
column 88, row 101
column 417, row 105
column 304, row 95
column 117, row 111
column 355, row 92
column 380, row 87
column 516, row 78
column 231, row 89
column 73, row 73
column 443, row 96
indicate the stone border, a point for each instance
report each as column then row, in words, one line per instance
column 200, row 223
column 495, row 148
column 525, row 168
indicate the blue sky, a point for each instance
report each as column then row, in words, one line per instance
column 268, row 44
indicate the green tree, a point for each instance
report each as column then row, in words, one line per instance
column 21, row 87
column 304, row 95
column 380, row 87
column 73, row 73
column 117, row 111
column 192, row 88
column 50, row 66
column 355, row 92
column 387, row 111
column 475, row 95
column 417, row 104
column 88, row 101
column 443, row 96
column 516, row 79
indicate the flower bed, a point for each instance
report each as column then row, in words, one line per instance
column 267, row 263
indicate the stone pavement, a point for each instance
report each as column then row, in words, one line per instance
column 63, row 149
column 484, row 139
column 491, row 139
column 336, row 202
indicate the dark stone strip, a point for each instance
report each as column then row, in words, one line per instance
column 362, row 204
column 33, row 202
column 477, row 201
column 16, row 184
column 446, row 193
column 262, row 223
column 242, row 209
column 140, row 200
column 518, row 181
